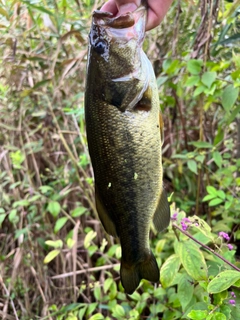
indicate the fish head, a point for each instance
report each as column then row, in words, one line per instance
column 115, row 42
column 115, row 58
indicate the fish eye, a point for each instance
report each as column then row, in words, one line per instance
column 100, row 46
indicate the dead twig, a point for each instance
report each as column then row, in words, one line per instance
column 71, row 274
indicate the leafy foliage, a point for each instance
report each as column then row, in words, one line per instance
column 55, row 260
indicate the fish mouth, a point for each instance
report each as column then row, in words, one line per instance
column 107, row 19
column 123, row 27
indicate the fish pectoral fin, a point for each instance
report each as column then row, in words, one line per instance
column 145, row 103
column 161, row 216
column 161, row 125
column 131, row 275
column 105, row 217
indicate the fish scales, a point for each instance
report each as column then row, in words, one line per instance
column 123, row 133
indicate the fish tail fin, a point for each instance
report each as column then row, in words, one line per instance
column 131, row 275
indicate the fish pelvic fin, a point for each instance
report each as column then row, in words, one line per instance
column 104, row 216
column 131, row 275
column 161, row 216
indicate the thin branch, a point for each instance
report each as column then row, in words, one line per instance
column 9, row 297
column 71, row 274
column 206, row 247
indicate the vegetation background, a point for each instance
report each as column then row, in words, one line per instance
column 55, row 260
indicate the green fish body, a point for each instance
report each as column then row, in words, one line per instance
column 124, row 126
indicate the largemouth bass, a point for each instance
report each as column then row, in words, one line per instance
column 124, row 132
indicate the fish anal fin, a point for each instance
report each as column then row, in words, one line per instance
column 161, row 216
column 104, row 216
column 131, row 275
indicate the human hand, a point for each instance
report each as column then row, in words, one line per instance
column 157, row 9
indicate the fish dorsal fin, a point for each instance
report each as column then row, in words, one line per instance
column 161, row 216
column 104, row 216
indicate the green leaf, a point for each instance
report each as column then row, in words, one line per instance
column 225, row 310
column 194, row 66
column 200, row 158
column 218, row 316
column 192, row 165
column 41, row 83
column 4, row 13
column 217, row 158
column 179, row 156
column 229, row 97
column 45, row 189
column 70, row 243
column 107, row 284
column 13, row 216
column 161, row 80
column 199, row 90
column 38, row 8
column 21, row 203
column 235, row 74
column 60, row 223
column 54, row 244
column 185, row 290
column 91, row 307
column 223, row 281
column 81, row 312
column 54, row 208
column 221, row 194
column 198, row 314
column 208, row 78
column 208, row 197
column 97, row 293
column 51, row 255
column 89, row 237
column 118, row 312
column 2, row 217
column 219, row 136
column 169, row 270
column 193, row 260
column 212, row 190
column 215, row 202
column 97, row 316
column 71, row 316
column 192, row 81
column 77, row 212
column 201, row 144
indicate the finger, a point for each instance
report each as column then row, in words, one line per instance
column 156, row 12
column 153, row 20
column 110, row 6
column 118, row 7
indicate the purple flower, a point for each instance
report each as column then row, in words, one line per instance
column 186, row 220
column 233, row 294
column 232, row 302
column 174, row 216
column 184, row 226
column 224, row 235
column 230, row 247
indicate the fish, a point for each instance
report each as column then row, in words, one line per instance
column 124, row 130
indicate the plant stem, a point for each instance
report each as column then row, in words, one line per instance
column 206, row 247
